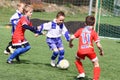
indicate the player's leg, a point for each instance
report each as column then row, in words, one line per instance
column 14, row 54
column 19, row 50
column 7, row 51
column 52, row 46
column 25, row 47
column 54, row 56
column 60, row 47
column 96, row 70
column 61, row 54
column 79, row 66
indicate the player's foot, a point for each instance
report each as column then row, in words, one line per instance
column 6, row 52
column 58, row 66
column 11, row 49
column 81, row 75
column 9, row 61
column 81, row 78
column 52, row 63
column 17, row 59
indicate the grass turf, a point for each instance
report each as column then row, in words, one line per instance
column 35, row 63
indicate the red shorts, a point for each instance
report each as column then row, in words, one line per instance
column 91, row 56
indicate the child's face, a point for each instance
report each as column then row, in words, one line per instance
column 29, row 13
column 20, row 8
column 60, row 19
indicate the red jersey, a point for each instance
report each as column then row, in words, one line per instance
column 86, row 37
column 18, row 35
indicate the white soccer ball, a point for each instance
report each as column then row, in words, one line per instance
column 64, row 64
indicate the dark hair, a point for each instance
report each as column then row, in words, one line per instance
column 60, row 13
column 90, row 20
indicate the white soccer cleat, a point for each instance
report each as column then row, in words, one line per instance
column 5, row 52
column 58, row 66
column 81, row 75
column 11, row 49
column 52, row 63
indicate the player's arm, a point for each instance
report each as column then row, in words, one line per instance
column 14, row 19
column 33, row 29
column 71, row 40
column 43, row 27
column 66, row 33
column 100, row 48
column 39, row 29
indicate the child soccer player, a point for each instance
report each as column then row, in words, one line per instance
column 54, row 30
column 19, row 41
column 86, row 37
column 14, row 20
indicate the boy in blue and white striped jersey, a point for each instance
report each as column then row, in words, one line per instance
column 55, row 29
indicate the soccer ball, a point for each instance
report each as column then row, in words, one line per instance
column 64, row 64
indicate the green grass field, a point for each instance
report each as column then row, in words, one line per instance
column 35, row 63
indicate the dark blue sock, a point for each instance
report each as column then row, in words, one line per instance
column 54, row 55
column 61, row 56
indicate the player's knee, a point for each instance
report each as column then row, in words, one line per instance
column 28, row 47
column 96, row 63
column 55, row 53
column 62, row 52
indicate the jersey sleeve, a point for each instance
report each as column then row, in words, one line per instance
column 77, row 33
column 95, row 36
column 46, row 26
column 14, row 19
column 65, row 33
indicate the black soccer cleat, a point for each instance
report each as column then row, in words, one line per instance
column 17, row 59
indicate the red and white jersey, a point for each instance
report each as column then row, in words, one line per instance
column 86, row 37
column 18, row 35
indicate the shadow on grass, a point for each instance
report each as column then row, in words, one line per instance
column 118, row 42
column 48, row 65
column 86, row 78
column 22, row 62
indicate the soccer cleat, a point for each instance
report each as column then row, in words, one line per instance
column 5, row 52
column 9, row 61
column 58, row 66
column 11, row 49
column 81, row 75
column 52, row 63
column 17, row 59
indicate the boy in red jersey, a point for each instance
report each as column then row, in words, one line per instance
column 86, row 37
column 18, row 39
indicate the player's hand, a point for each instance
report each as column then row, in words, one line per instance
column 70, row 45
column 36, row 35
column 44, row 33
column 101, row 53
column 38, row 27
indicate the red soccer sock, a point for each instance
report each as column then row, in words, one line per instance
column 96, row 73
column 79, row 66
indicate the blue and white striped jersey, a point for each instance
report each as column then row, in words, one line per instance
column 14, row 20
column 54, row 30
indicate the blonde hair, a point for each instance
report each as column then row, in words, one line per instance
column 19, row 4
column 27, row 8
